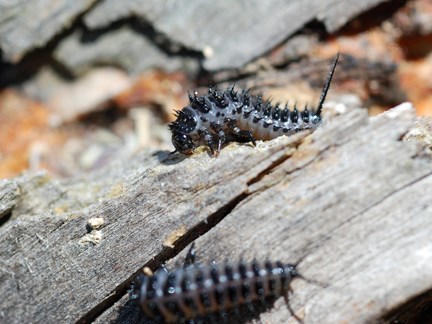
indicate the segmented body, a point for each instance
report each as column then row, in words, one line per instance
column 229, row 115
column 199, row 290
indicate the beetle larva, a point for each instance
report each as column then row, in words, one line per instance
column 229, row 115
column 197, row 290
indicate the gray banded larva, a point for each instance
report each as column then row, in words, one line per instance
column 197, row 290
column 223, row 116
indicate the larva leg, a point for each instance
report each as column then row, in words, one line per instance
column 213, row 318
column 209, row 139
column 190, row 256
column 217, row 128
column 251, row 308
column 224, row 316
column 220, row 142
column 237, row 315
column 243, row 136
column 190, row 322
column 287, row 302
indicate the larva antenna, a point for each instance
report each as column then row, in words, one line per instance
column 326, row 86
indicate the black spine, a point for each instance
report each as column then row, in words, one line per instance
column 327, row 86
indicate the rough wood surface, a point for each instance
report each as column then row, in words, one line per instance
column 230, row 34
column 351, row 198
column 9, row 191
column 121, row 47
column 25, row 25
column 139, row 35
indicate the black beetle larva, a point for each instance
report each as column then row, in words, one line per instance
column 197, row 290
column 228, row 115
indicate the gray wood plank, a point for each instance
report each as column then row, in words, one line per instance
column 51, row 261
column 9, row 191
column 25, row 25
column 351, row 198
column 230, row 34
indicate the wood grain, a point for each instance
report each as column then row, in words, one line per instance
column 352, row 199
column 25, row 25
column 230, row 34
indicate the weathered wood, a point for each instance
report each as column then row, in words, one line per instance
column 312, row 72
column 47, row 254
column 351, row 198
column 127, row 47
column 8, row 193
column 368, row 239
column 229, row 34
column 25, row 25
column 198, row 25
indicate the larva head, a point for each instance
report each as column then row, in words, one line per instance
column 135, row 288
column 183, row 143
column 291, row 269
column 182, row 129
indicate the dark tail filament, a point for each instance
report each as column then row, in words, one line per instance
column 327, row 86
